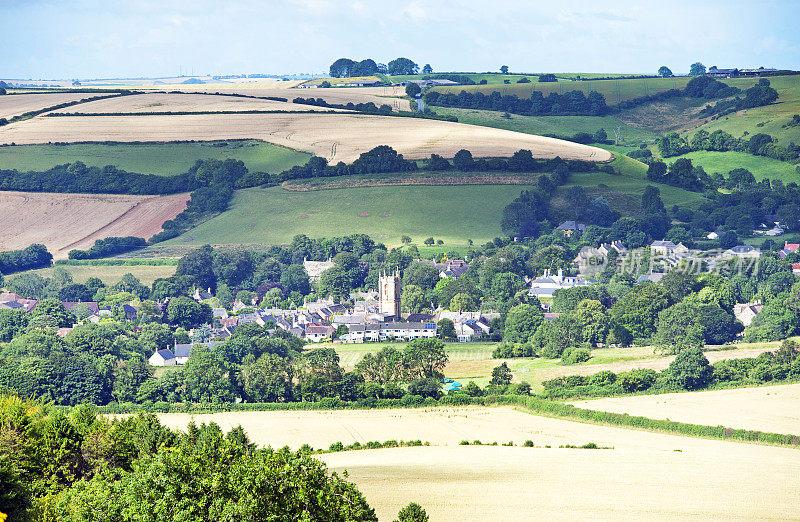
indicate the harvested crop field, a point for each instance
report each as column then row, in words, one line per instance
column 15, row 104
column 767, row 408
column 63, row 222
column 392, row 96
column 338, row 137
column 646, row 475
column 169, row 102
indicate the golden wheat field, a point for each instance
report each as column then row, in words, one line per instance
column 767, row 408
column 15, row 104
column 645, row 475
column 184, row 102
column 63, row 222
column 337, row 137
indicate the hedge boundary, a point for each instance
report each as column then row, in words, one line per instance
column 532, row 405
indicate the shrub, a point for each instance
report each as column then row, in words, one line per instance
column 637, row 380
column 575, row 355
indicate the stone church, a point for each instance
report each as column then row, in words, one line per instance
column 389, row 289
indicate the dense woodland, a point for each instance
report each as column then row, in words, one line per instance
column 72, row 465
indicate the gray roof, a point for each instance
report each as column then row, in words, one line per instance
column 166, row 354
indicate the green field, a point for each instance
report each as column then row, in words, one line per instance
column 624, row 193
column 275, row 215
column 559, row 125
column 771, row 119
column 491, row 78
column 350, row 354
column 760, row 166
column 163, row 159
column 112, row 274
column 614, row 91
column 453, row 213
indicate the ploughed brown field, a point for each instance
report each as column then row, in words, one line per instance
column 15, row 104
column 171, row 102
column 337, row 137
column 767, row 408
column 63, row 222
column 645, row 476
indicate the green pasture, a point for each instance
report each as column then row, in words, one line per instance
column 616, row 91
column 491, row 78
column 624, row 193
column 613, row 90
column 111, row 275
column 350, row 354
column 761, row 167
column 559, row 125
column 275, row 215
column 162, row 159
column 771, row 119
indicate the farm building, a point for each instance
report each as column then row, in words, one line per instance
column 722, row 73
column 364, row 83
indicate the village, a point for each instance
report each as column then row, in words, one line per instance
column 374, row 316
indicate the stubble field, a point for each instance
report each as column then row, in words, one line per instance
column 185, row 102
column 337, row 137
column 15, row 104
column 768, row 408
column 645, row 475
column 63, row 222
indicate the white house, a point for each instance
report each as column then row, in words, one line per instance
column 746, row 312
column 163, row 357
column 319, row 332
column 359, row 333
column 315, row 268
column 546, row 285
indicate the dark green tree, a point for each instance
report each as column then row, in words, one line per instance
column 412, row 512
column 501, row 375
column 690, row 370
column 665, row 72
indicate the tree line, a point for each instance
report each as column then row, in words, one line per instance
column 345, row 67
column 572, row 103
column 689, row 371
column 29, row 258
column 759, row 144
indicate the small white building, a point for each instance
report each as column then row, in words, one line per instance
column 546, row 285
column 163, row 357
column 315, row 268
column 746, row 312
column 318, row 332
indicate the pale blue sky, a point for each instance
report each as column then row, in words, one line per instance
column 56, row 39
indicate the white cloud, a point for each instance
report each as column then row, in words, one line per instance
column 415, row 11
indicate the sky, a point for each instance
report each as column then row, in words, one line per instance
column 85, row 39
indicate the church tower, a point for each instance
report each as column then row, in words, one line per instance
column 389, row 289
